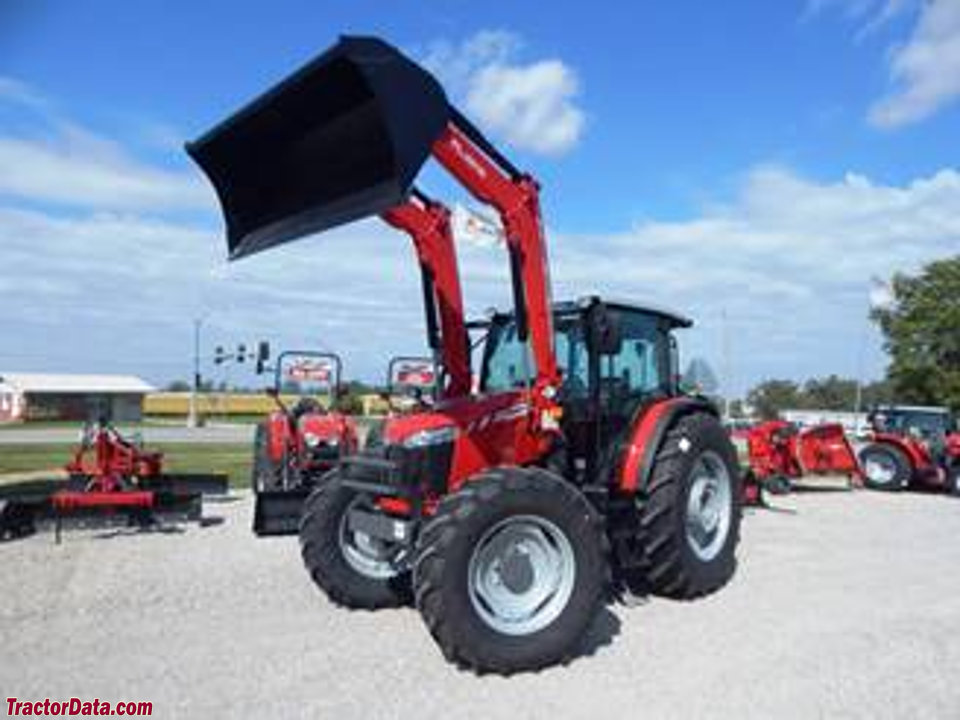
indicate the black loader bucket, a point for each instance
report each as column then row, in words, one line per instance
column 341, row 139
column 277, row 512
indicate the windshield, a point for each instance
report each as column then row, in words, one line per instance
column 641, row 366
column 916, row 421
column 306, row 374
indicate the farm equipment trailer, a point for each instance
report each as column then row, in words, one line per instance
column 108, row 476
column 778, row 453
column 579, row 468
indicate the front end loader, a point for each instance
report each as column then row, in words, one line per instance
column 509, row 515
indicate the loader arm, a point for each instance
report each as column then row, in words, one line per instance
column 344, row 138
column 428, row 224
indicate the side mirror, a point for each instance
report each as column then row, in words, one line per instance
column 263, row 355
column 603, row 331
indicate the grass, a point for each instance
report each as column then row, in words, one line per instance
column 234, row 459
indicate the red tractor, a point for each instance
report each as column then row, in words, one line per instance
column 507, row 516
column 912, row 446
column 779, row 453
column 299, row 444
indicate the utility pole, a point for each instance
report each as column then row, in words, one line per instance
column 192, row 416
column 725, row 356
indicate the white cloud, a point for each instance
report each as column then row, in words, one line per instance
column 532, row 106
column 80, row 169
column 926, row 70
column 788, row 258
column 15, row 91
column 53, row 160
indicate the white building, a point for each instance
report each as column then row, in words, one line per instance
column 42, row 396
column 853, row 423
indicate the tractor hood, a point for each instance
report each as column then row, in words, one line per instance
column 341, row 139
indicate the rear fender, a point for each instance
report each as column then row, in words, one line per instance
column 649, row 428
column 914, row 450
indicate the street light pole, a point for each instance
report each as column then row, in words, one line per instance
column 192, row 417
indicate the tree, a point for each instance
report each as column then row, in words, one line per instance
column 921, row 330
column 830, row 393
column 771, row 396
column 178, row 386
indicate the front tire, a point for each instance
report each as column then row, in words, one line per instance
column 353, row 569
column 953, row 479
column 511, row 571
column 885, row 467
column 690, row 511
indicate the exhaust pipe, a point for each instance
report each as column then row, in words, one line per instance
column 341, row 139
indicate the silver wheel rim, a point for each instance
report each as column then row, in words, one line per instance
column 709, row 506
column 880, row 468
column 521, row 575
column 368, row 556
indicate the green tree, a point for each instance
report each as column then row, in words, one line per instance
column 771, row 396
column 178, row 386
column 830, row 393
column 921, row 329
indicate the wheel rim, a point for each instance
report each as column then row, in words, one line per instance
column 368, row 556
column 880, row 468
column 521, row 574
column 709, row 506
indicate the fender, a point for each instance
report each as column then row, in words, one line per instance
column 914, row 450
column 649, row 427
column 278, row 436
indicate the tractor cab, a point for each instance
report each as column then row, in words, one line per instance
column 614, row 358
column 917, row 421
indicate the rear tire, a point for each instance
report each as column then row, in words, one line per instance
column 885, row 467
column 690, row 511
column 352, row 570
column 511, row 571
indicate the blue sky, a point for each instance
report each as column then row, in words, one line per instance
column 754, row 160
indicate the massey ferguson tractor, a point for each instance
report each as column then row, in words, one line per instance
column 578, row 468
column 912, row 447
column 297, row 445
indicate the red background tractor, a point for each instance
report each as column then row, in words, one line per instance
column 297, row 445
column 912, row 446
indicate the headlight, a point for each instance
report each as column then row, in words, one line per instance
column 311, row 440
column 426, row 438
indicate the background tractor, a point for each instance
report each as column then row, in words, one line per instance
column 297, row 444
column 578, row 468
column 912, row 446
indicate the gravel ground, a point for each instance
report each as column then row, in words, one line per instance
column 844, row 605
